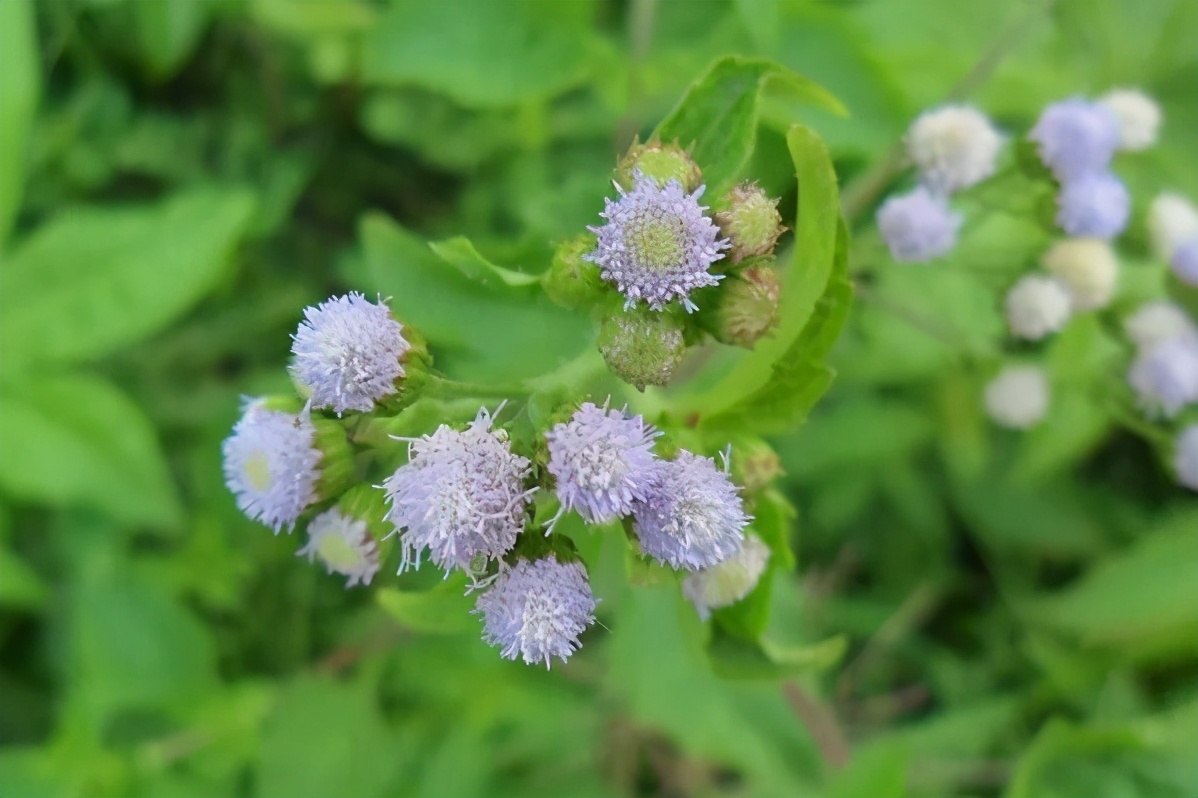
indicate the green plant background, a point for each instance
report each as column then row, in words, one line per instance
column 178, row 178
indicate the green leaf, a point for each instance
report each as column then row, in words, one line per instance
column 460, row 253
column 444, row 609
column 718, row 114
column 168, row 32
column 20, row 586
column 97, row 279
column 75, row 439
column 18, row 102
column 734, row 658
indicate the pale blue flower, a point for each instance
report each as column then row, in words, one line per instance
column 1076, row 137
column 1186, row 460
column 693, row 517
column 919, row 226
column 348, row 352
column 1095, row 205
column 1165, row 375
column 657, row 246
column 344, row 544
column 1185, row 260
column 537, row 610
column 271, row 464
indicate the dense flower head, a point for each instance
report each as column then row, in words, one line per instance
column 271, row 464
column 953, row 147
column 1138, row 117
column 537, row 610
column 602, row 460
column 1185, row 261
column 1088, row 267
column 1186, row 458
column 1018, row 397
column 1076, row 137
column 1036, row 306
column 348, row 352
column 1172, row 220
column 1094, row 205
column 641, row 346
column 1157, row 321
column 918, row 226
column 751, row 221
column 747, row 308
column 729, row 581
column 693, row 517
column 461, row 495
column 344, row 544
column 1165, row 376
column 657, row 246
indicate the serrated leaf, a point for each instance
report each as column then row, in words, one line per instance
column 734, row 658
column 460, row 253
column 444, row 609
column 18, row 101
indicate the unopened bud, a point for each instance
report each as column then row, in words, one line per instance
column 659, row 162
column 746, row 306
column 754, row 464
column 571, row 281
column 642, row 346
column 750, row 220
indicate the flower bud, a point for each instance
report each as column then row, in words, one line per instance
column 727, row 582
column 641, row 346
column 754, row 464
column 659, row 162
column 572, row 281
column 746, row 305
column 750, row 220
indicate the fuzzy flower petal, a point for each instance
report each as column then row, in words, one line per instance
column 602, row 461
column 1036, row 306
column 1186, row 460
column 1096, row 205
column 344, row 545
column 918, row 226
column 537, row 610
column 953, row 147
column 461, row 495
column 1018, row 397
column 1165, row 376
column 1138, row 115
column 657, row 246
column 693, row 517
column 271, row 465
column 1076, row 137
column 727, row 582
column 348, row 351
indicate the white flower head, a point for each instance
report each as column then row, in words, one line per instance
column 1186, row 458
column 1094, row 205
column 537, row 610
column 1087, row 267
column 657, row 246
column 602, row 461
column 729, row 581
column 1036, row 306
column 344, row 544
column 1138, row 115
column 271, row 464
column 1185, row 261
column 1076, row 137
column 953, row 147
column 919, row 226
column 693, row 517
column 1172, row 220
column 1018, row 397
column 1157, row 321
column 1165, row 376
column 461, row 495
column 348, row 352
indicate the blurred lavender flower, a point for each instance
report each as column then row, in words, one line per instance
column 918, row 226
column 1036, row 306
column 602, row 461
column 344, row 545
column 1165, row 376
column 1187, row 457
column 537, row 610
column 953, row 147
column 271, row 464
column 729, row 581
column 1138, row 117
column 1095, row 205
column 1185, row 261
column 657, row 245
column 1076, row 137
column 348, row 352
column 1018, row 397
column 461, row 494
column 693, row 517
column 1154, row 322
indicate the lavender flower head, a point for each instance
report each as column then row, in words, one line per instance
column 693, row 517
column 344, row 545
column 1076, row 137
column 1165, row 376
column 1186, row 459
column 537, row 610
column 271, row 464
column 603, row 461
column 729, row 581
column 1185, row 261
column 1095, row 205
column 461, row 495
column 918, row 226
column 657, row 245
column 348, row 352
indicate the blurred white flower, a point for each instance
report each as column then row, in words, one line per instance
column 1018, row 397
column 1036, row 306
column 1088, row 268
column 1172, row 220
column 1138, row 115
column 729, row 581
column 953, row 147
column 1157, row 321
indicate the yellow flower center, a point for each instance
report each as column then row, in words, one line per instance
column 257, row 471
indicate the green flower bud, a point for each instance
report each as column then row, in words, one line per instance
column 660, row 162
column 642, row 346
column 754, row 464
column 750, row 220
column 747, row 305
column 571, row 281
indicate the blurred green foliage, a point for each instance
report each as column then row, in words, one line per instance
column 178, row 178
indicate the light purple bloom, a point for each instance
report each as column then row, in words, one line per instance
column 602, row 461
column 461, row 494
column 1165, row 376
column 344, row 544
column 537, row 610
column 1185, row 261
column 1096, row 205
column 348, row 352
column 657, row 245
column 1076, row 137
column 918, row 226
column 271, row 464
column 1187, row 457
column 693, row 517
